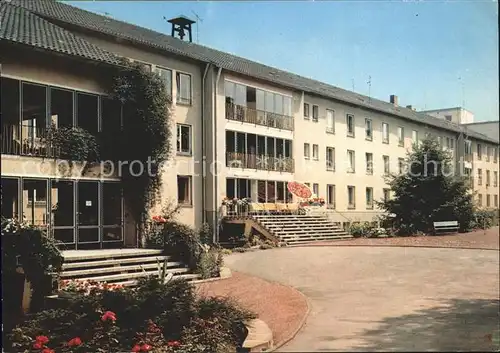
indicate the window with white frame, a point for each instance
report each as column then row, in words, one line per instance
column 495, row 200
column 166, row 78
column 351, row 168
column 401, row 165
column 330, row 121
column 480, row 199
column 350, row 125
column 369, row 163
column 479, row 176
column 307, row 151
column 488, row 200
column 184, row 91
column 495, row 179
column 184, row 139
column 401, row 136
column 351, row 197
column 387, row 194
column 330, row 158
column 468, row 147
column 387, row 168
column 306, row 110
column 369, row 198
column 184, row 190
column 440, row 141
column 316, row 189
column 486, row 153
column 368, row 129
column 315, row 116
column 495, row 155
column 414, row 137
column 487, row 178
column 315, row 152
column 479, row 151
column 385, row 133
column 330, row 196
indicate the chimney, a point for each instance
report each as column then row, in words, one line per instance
column 394, row 99
column 409, row 107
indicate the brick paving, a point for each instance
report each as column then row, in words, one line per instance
column 479, row 239
column 281, row 307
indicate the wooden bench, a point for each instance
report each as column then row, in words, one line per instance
column 446, row 227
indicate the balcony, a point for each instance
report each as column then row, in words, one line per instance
column 258, row 117
column 26, row 140
column 253, row 161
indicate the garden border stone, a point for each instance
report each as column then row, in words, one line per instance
column 259, row 338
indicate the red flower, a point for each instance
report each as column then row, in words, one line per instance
column 108, row 315
column 136, row 348
column 37, row 345
column 146, row 347
column 75, row 342
column 42, row 339
column 48, row 350
column 173, row 343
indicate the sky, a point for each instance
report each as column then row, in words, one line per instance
column 432, row 54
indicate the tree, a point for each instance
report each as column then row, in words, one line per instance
column 428, row 191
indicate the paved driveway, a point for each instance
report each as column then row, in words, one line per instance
column 387, row 299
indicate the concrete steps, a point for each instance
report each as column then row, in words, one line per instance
column 120, row 266
column 301, row 229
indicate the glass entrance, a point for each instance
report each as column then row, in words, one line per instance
column 88, row 215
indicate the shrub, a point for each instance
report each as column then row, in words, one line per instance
column 210, row 262
column 484, row 219
column 359, row 230
column 165, row 317
column 376, row 232
column 73, row 143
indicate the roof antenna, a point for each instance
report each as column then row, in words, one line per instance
column 197, row 26
column 463, row 93
column 369, row 87
column 352, row 84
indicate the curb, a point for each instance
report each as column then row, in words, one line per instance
column 301, row 323
column 396, row 246
column 225, row 272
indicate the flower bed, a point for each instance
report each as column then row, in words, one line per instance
column 153, row 317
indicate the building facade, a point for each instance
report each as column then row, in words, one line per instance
column 457, row 115
column 488, row 128
column 241, row 129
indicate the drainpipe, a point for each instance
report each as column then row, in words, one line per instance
column 203, row 146
column 214, row 144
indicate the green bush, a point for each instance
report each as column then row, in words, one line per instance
column 210, row 262
column 358, row 230
column 484, row 219
column 167, row 317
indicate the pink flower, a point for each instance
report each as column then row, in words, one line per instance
column 146, row 347
column 108, row 315
column 37, row 345
column 136, row 348
column 173, row 343
column 48, row 350
column 42, row 339
column 74, row 342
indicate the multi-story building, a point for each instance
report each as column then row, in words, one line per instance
column 241, row 129
column 489, row 128
column 457, row 115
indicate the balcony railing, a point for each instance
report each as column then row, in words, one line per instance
column 258, row 117
column 259, row 162
column 26, row 140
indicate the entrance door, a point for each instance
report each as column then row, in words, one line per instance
column 88, row 230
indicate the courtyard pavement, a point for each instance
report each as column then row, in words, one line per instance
column 387, row 298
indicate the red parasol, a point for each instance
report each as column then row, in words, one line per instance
column 299, row 189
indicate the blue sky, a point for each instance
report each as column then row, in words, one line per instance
column 432, row 54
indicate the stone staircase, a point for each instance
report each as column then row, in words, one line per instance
column 301, row 229
column 119, row 266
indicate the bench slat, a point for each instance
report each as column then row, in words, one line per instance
column 446, row 224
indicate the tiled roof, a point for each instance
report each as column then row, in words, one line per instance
column 51, row 9
column 21, row 26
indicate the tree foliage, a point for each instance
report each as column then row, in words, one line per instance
column 428, row 191
column 145, row 137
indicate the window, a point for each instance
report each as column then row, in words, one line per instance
column 330, row 121
column 487, row 178
column 183, row 139
column 468, row 147
column 488, row 201
column 479, row 176
column 330, row 196
column 61, row 107
column 387, row 194
column 34, row 105
column 307, row 184
column 401, row 165
column 440, row 141
column 10, row 103
column 315, row 189
column 479, row 151
column 387, row 168
column 87, row 112
column 480, row 199
column 112, row 211
column 166, row 78
column 369, row 163
column 184, row 190
column 351, row 197
column 486, row 153
column 368, row 129
column 495, row 178
column 307, row 151
column 10, row 198
column 183, row 88
column 414, row 137
column 369, row 198
column 495, row 200
column 330, row 158
column 350, row 159
column 495, row 155
column 315, row 152
column 447, row 117
column 306, row 110
column 34, row 201
column 401, row 136
column 315, row 113
column 385, row 133
column 350, row 125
